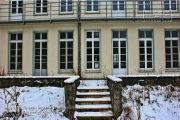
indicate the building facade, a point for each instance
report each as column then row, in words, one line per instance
column 91, row 38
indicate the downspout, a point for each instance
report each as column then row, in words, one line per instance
column 79, row 38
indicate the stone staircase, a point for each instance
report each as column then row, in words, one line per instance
column 93, row 102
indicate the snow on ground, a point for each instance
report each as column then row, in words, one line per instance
column 37, row 103
column 93, row 83
column 151, row 103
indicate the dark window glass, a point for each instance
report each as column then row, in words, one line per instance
column 89, row 34
column 44, row 35
column 141, row 34
column 37, row 36
column 70, row 35
column 122, row 34
column 148, row 34
column 13, row 36
column 62, row 35
column 167, row 34
column 115, row 34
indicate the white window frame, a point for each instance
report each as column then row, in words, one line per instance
column 171, row 47
column 144, row 6
column 41, row 7
column 92, row 6
column 145, row 51
column 66, row 40
column 118, row 4
column 66, row 11
column 40, row 41
column 17, row 7
column 16, row 52
column 170, row 9
column 92, row 40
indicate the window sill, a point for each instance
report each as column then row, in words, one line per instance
column 15, row 72
column 146, row 70
column 92, row 12
column 66, row 13
column 66, row 71
column 40, row 14
column 93, row 71
column 172, row 70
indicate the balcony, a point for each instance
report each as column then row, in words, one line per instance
column 147, row 10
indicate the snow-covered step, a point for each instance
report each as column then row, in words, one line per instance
column 92, row 88
column 95, row 106
column 92, row 93
column 93, row 99
column 93, row 114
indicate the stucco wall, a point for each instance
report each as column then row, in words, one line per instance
column 105, row 29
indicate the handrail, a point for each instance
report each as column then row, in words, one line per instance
column 106, row 10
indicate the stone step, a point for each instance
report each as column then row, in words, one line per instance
column 93, row 114
column 93, row 88
column 93, row 99
column 92, row 93
column 95, row 106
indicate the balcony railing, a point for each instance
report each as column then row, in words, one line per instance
column 83, row 10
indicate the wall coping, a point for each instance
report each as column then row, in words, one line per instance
column 114, row 78
column 72, row 79
column 166, row 75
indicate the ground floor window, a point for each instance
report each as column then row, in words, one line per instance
column 145, row 49
column 92, row 50
column 172, row 49
column 40, row 53
column 66, row 50
column 15, row 52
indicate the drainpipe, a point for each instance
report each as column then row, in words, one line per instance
column 79, row 38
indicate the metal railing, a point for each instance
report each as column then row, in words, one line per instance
column 80, row 11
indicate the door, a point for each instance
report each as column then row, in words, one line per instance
column 119, row 57
column 40, row 54
column 118, row 9
column 16, row 10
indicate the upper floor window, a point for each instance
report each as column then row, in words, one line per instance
column 66, row 6
column 170, row 4
column 16, row 6
column 15, row 52
column 41, row 6
column 118, row 5
column 92, row 6
column 144, row 5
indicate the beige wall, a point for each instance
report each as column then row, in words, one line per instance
column 105, row 45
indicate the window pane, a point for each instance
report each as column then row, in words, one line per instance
column 174, row 33
column 62, row 65
column 70, row 58
column 142, row 64
column 12, row 66
column 115, row 5
column 149, row 57
column 96, row 34
column 37, row 36
column 168, row 57
column 89, row 8
column 96, row 57
column 37, row 65
column 13, row 52
column 96, row 43
column 70, row 66
column 175, row 43
column 115, row 64
column 175, row 57
column 121, row 6
column 122, row 34
column 70, row 51
column 142, row 58
column 89, row 35
column 13, row 36
column 89, row 58
column 123, row 64
column 63, row 8
column 62, row 35
column 115, row 34
column 149, row 64
column 140, row 7
column 168, row 64
column 141, row 34
column 168, row 50
column 166, row 5
column 37, row 45
column 148, row 34
column 19, row 45
column 62, row 44
column 123, row 43
column 70, row 35
column 149, row 50
column 89, row 65
column 44, row 51
column 175, row 64
column 13, row 45
column 123, row 50
column 141, row 43
column 13, row 59
column 123, row 57
column 173, row 6
column 89, row 44
column 96, row 50
column 167, row 43
column 115, row 51
column 44, row 35
column 89, row 51
column 70, row 44
column 175, row 50
column 148, row 43
column 167, row 34
column 62, row 51
column 62, row 58
column 115, row 44
column 141, row 50
column 44, row 65
column 96, row 7
column 63, row 2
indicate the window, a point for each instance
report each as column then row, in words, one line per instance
column 66, row 50
column 92, row 50
column 119, row 49
column 16, row 52
column 40, row 53
column 172, row 49
column 145, row 49
column 118, row 5
column 16, row 6
column 41, row 6
column 144, row 5
column 170, row 4
column 66, row 6
column 92, row 6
